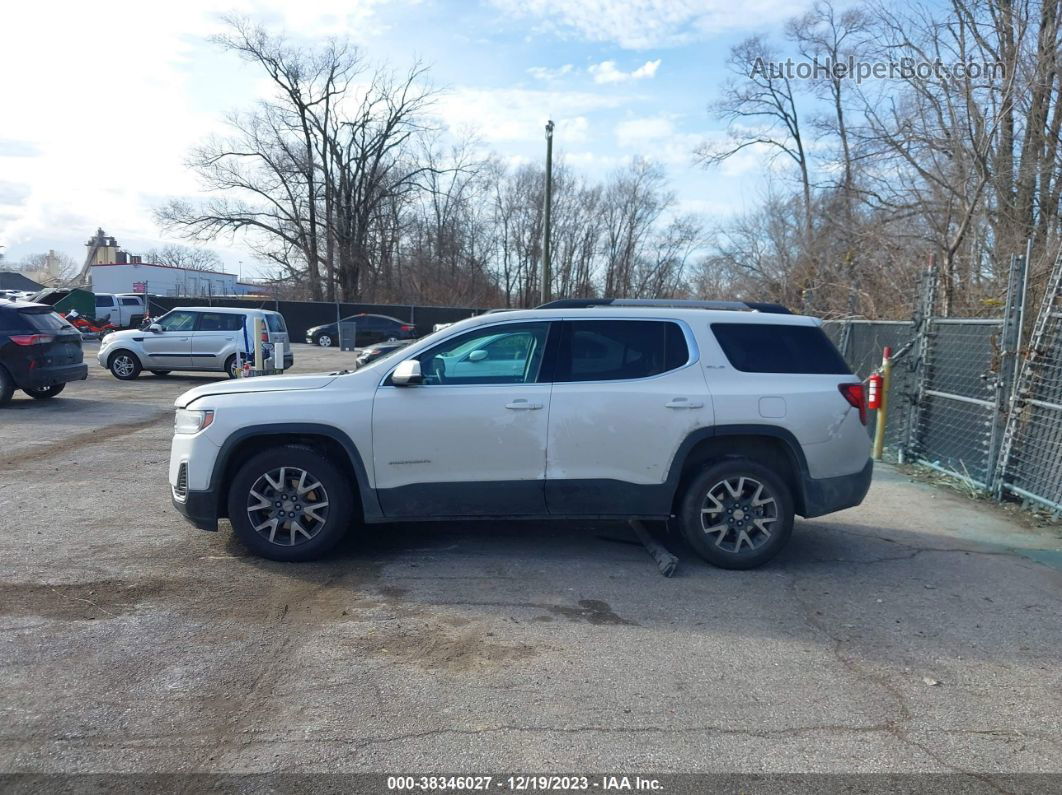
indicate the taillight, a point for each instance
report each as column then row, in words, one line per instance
column 32, row 339
column 855, row 395
column 407, row 328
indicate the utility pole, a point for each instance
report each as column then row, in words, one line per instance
column 547, row 270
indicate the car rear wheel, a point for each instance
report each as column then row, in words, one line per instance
column 290, row 503
column 324, row 340
column 231, row 367
column 45, row 392
column 124, row 366
column 7, row 386
column 737, row 514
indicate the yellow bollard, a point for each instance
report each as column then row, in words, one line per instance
column 886, row 377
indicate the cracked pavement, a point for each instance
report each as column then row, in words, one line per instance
column 918, row 632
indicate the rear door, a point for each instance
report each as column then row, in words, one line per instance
column 171, row 347
column 216, row 337
column 626, row 395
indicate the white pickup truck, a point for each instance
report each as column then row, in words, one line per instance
column 125, row 310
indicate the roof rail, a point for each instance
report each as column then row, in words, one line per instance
column 675, row 303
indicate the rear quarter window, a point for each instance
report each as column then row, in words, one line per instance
column 779, row 348
column 45, row 321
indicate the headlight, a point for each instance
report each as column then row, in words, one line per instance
column 192, row 421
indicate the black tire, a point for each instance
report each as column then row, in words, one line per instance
column 7, row 386
column 161, row 373
column 326, row 525
column 754, row 525
column 124, row 366
column 44, row 393
column 324, row 340
column 230, row 366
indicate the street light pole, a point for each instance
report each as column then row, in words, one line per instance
column 547, row 270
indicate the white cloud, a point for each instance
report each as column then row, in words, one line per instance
column 545, row 73
column 110, row 100
column 641, row 24
column 607, row 72
column 658, row 138
column 520, row 115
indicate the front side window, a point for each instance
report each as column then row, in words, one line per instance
column 506, row 354
column 177, row 321
column 617, row 350
column 104, row 301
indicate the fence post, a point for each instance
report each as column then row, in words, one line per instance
column 922, row 319
column 1008, row 353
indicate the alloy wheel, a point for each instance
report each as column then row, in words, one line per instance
column 287, row 506
column 123, row 365
column 739, row 511
column 324, row 341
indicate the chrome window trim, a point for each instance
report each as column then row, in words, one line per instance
column 691, row 345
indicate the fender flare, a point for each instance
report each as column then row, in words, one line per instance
column 790, row 444
column 369, row 502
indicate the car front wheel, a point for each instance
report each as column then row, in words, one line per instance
column 324, row 340
column 737, row 514
column 124, row 366
column 290, row 503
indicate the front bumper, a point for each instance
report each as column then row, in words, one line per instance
column 43, row 377
column 827, row 495
column 198, row 507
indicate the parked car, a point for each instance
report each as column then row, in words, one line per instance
column 729, row 421
column 379, row 350
column 122, row 310
column 369, row 329
column 191, row 338
column 40, row 353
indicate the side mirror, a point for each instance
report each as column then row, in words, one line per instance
column 155, row 328
column 407, row 373
column 477, row 356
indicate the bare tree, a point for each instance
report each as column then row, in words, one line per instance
column 189, row 257
column 759, row 104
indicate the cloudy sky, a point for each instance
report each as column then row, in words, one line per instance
column 102, row 100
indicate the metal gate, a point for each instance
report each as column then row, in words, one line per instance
column 956, row 423
column 1030, row 464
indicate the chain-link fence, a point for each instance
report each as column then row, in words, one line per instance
column 956, row 418
column 861, row 342
column 967, row 398
column 1031, row 460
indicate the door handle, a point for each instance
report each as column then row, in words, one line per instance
column 684, row 403
column 520, row 404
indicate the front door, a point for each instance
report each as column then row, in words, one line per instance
column 471, row 439
column 170, row 348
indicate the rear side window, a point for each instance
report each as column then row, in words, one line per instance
column 615, row 350
column 130, row 302
column 220, row 321
column 778, row 348
column 275, row 322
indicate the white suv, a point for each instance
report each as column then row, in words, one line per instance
column 724, row 418
column 191, row 338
